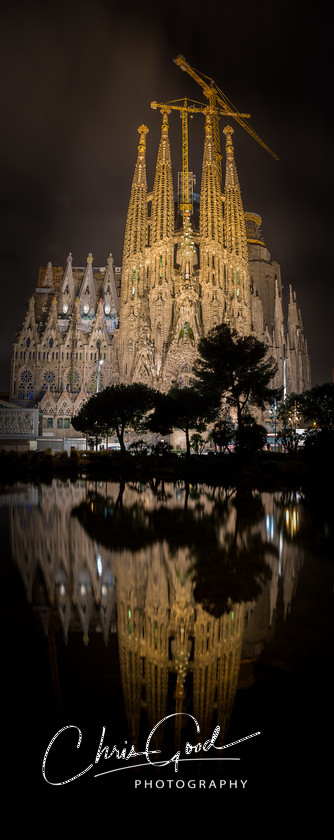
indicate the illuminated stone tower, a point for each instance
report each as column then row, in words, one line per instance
column 160, row 255
column 235, row 241
column 213, row 268
column 134, row 340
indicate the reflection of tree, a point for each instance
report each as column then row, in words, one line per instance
column 156, row 485
column 226, row 567
column 236, row 571
column 233, row 574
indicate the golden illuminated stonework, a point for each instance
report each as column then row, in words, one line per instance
column 191, row 260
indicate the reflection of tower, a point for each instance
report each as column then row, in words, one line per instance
column 162, row 631
column 181, row 630
column 217, row 655
column 143, row 613
column 131, row 578
column 48, row 542
column 156, row 648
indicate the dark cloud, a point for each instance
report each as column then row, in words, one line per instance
column 77, row 81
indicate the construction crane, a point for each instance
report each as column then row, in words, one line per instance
column 186, row 107
column 216, row 96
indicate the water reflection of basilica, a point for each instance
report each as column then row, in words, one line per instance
column 173, row 653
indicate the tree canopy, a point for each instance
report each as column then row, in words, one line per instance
column 237, row 369
column 317, row 406
column 115, row 408
column 312, row 410
column 184, row 408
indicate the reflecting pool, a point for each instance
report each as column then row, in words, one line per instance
column 165, row 622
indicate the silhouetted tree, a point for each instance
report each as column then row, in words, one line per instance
column 237, row 369
column 89, row 423
column 115, row 408
column 317, row 406
column 250, row 436
column 222, row 434
column 183, row 408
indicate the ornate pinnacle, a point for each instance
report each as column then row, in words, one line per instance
column 164, row 111
column 208, row 119
column 228, row 131
column 142, row 130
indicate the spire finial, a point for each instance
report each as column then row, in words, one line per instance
column 208, row 119
column 89, row 258
column 142, row 130
column 228, row 131
column 164, row 111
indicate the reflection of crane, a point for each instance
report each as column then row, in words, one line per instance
column 190, row 107
column 216, row 96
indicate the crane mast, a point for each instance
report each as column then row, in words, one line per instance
column 186, row 107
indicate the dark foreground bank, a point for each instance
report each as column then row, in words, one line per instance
column 265, row 470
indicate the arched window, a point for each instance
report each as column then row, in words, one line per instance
column 93, row 382
column 25, row 390
column 49, row 381
column 73, row 381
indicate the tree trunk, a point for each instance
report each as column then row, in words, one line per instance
column 187, row 441
column 121, row 440
column 239, row 415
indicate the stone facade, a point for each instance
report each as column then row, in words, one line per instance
column 66, row 337
column 183, row 272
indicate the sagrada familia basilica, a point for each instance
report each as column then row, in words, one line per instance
column 187, row 266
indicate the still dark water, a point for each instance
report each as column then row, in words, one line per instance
column 205, row 610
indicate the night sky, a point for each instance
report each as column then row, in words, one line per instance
column 77, row 80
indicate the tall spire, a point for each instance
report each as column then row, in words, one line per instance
column 235, row 242
column 162, row 248
column 162, row 216
column 211, row 213
column 134, row 323
column 212, row 304
column 136, row 224
column 234, row 220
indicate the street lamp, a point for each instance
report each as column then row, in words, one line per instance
column 99, row 363
column 284, row 374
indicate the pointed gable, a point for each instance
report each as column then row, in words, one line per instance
column 87, row 294
column 52, row 332
column 109, row 291
column 67, row 288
